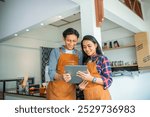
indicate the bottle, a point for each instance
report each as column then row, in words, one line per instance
column 116, row 44
column 105, row 46
column 110, row 44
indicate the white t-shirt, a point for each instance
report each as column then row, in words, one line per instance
column 69, row 51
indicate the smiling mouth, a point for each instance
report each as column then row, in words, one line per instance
column 70, row 47
column 88, row 52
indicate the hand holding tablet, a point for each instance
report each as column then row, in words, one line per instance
column 85, row 75
column 72, row 70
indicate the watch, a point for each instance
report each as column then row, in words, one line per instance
column 94, row 80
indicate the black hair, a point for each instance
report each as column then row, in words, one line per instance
column 70, row 31
column 98, row 49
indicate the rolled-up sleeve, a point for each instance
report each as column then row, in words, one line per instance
column 104, row 68
column 53, row 63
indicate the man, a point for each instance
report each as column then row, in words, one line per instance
column 59, row 87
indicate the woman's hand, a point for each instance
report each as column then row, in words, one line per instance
column 83, row 84
column 66, row 77
column 85, row 75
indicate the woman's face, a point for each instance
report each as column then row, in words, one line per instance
column 89, row 47
column 70, row 41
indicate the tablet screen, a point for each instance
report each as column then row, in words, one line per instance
column 73, row 69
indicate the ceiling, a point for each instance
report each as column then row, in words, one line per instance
column 107, row 24
column 42, row 33
column 67, row 20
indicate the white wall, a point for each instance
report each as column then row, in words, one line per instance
column 146, row 14
column 21, row 55
column 17, row 61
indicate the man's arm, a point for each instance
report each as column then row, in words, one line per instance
column 53, row 60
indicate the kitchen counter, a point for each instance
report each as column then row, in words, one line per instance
column 13, row 95
column 17, row 80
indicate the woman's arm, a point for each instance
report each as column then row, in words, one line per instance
column 88, row 77
column 104, row 69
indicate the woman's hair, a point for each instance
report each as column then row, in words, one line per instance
column 98, row 49
column 70, row 31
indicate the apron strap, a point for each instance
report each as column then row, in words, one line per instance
column 60, row 50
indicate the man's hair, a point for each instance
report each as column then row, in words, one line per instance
column 70, row 31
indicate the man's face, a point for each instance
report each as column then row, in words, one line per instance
column 70, row 41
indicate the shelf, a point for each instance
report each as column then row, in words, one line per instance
column 126, row 67
column 144, row 68
column 127, row 46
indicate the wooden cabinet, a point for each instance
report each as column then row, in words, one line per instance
column 142, row 49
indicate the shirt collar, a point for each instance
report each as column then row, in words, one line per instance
column 64, row 49
column 94, row 57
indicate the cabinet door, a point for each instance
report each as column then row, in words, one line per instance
column 142, row 49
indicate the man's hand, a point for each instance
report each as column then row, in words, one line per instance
column 66, row 77
column 83, row 84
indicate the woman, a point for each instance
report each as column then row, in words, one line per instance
column 58, row 87
column 98, row 77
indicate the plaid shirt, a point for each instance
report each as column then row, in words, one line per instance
column 104, row 69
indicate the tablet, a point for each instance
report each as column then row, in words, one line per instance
column 73, row 69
